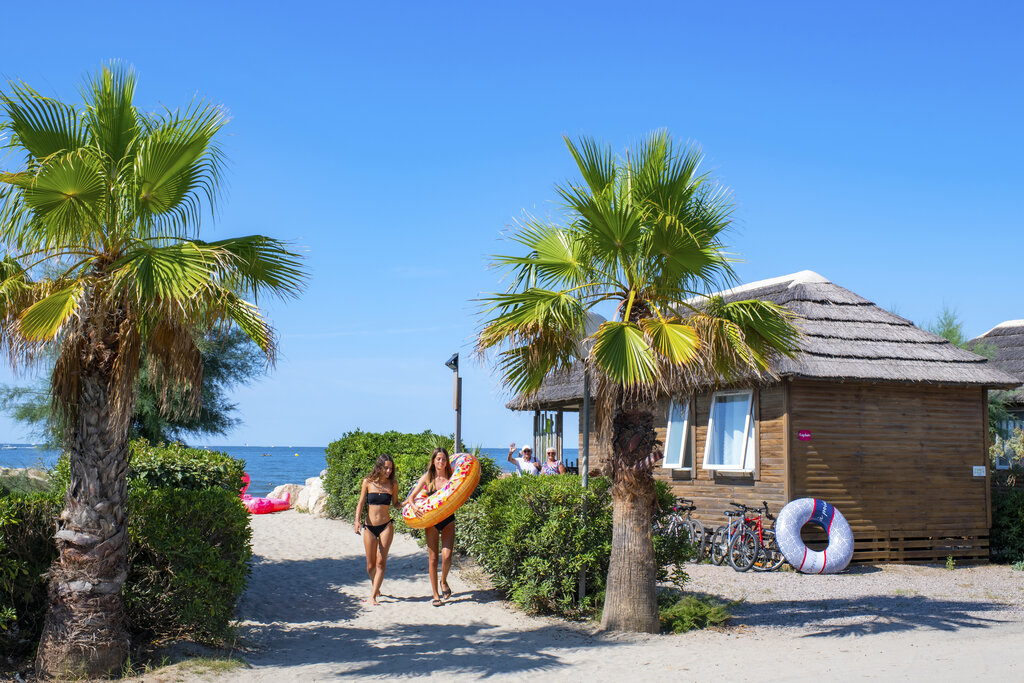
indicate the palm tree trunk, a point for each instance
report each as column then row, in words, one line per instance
column 630, row 602
column 84, row 633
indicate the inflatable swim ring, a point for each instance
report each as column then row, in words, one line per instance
column 450, row 497
column 832, row 559
column 261, row 506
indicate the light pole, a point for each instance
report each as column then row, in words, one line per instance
column 453, row 365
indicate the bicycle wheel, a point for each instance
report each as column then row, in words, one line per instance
column 698, row 540
column 771, row 557
column 719, row 545
column 744, row 549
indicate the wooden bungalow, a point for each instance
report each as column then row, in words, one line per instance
column 885, row 420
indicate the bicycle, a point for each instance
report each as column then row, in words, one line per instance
column 753, row 545
column 722, row 537
column 674, row 524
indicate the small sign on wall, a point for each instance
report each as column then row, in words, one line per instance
column 804, row 435
column 978, row 470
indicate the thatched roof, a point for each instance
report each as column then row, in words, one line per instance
column 1008, row 340
column 845, row 337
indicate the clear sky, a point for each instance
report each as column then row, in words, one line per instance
column 879, row 144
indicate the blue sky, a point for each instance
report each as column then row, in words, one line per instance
column 879, row 144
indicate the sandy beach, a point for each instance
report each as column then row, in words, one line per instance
column 303, row 619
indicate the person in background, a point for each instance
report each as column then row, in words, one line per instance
column 552, row 465
column 525, row 463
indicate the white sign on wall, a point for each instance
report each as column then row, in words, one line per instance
column 979, row 470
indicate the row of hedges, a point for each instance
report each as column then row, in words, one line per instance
column 188, row 551
column 350, row 459
column 531, row 536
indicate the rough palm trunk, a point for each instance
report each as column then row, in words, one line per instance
column 84, row 634
column 630, row 602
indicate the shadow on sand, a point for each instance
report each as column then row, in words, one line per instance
column 869, row 615
column 313, row 627
column 475, row 648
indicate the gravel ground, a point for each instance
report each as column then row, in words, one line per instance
column 867, row 599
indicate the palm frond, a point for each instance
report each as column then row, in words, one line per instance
column 674, row 341
column 177, row 164
column 596, row 165
column 259, row 265
column 44, row 319
column 622, row 352
column 110, row 114
column 40, row 126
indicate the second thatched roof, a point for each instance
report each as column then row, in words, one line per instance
column 844, row 337
column 1008, row 340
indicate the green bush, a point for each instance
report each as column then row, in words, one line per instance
column 350, row 459
column 1007, row 536
column 530, row 535
column 681, row 613
column 188, row 560
column 27, row 523
column 177, row 466
column 188, row 547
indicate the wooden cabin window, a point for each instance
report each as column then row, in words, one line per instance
column 678, row 446
column 731, row 444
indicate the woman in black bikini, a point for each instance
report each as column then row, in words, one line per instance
column 438, row 474
column 379, row 492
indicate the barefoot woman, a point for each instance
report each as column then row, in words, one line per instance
column 379, row 492
column 443, row 533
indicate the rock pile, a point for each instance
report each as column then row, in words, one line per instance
column 311, row 498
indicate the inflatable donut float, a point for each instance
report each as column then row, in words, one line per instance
column 449, row 498
column 832, row 559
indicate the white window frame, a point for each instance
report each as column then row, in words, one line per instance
column 685, row 440
column 1004, row 460
column 748, row 459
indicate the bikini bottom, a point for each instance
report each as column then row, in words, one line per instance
column 377, row 529
column 444, row 522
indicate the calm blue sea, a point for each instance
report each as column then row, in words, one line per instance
column 268, row 466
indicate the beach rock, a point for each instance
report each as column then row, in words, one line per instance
column 312, row 498
column 318, row 507
column 302, row 502
column 292, row 489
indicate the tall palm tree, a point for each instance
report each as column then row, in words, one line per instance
column 98, row 225
column 642, row 237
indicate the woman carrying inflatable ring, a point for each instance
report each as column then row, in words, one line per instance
column 378, row 494
column 443, row 532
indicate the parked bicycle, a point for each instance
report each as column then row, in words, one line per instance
column 723, row 536
column 753, row 545
column 674, row 524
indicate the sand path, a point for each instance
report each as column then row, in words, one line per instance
column 305, row 617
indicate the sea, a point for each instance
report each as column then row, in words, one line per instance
column 268, row 466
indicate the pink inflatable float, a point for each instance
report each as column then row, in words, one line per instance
column 261, row 506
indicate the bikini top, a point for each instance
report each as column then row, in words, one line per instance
column 378, row 499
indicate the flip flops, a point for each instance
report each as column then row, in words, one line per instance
column 446, row 593
column 437, row 603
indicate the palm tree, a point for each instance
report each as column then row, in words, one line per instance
column 99, row 228
column 642, row 237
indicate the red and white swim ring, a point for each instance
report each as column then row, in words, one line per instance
column 832, row 559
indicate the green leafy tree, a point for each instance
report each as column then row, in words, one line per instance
column 112, row 197
column 642, row 235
